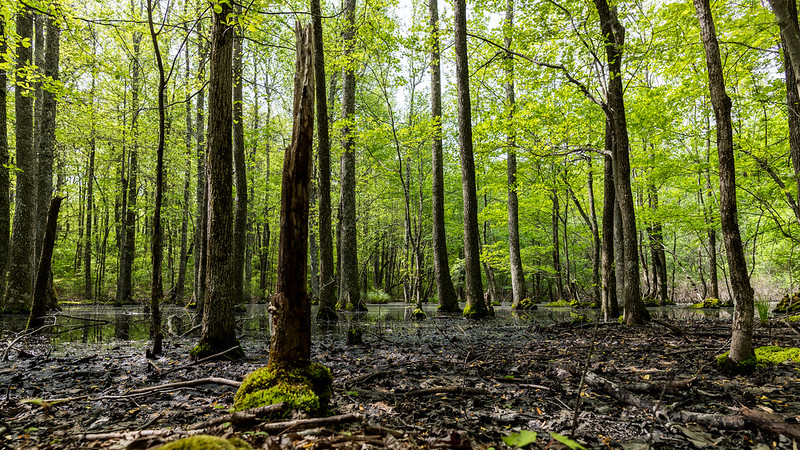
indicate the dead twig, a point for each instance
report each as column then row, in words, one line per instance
column 302, row 424
column 189, row 383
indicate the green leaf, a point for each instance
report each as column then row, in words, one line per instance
column 567, row 441
column 521, row 439
column 217, row 8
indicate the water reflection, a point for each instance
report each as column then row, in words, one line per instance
column 108, row 324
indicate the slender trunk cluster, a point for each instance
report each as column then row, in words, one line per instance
column 240, row 214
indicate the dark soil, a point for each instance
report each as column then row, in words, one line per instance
column 439, row 383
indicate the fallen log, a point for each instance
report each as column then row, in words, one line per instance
column 304, row 424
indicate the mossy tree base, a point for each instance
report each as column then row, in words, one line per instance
column 477, row 312
column 763, row 356
column 454, row 308
column 731, row 367
column 308, row 389
column 525, row 304
column 205, row 349
column 711, row 303
column 204, row 442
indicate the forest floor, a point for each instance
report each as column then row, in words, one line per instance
column 439, row 383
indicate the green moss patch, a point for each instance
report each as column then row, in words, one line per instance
column 794, row 319
column 711, row 303
column 204, row 442
column 473, row 312
column 776, row 355
column 727, row 365
column 561, row 302
column 204, row 349
column 308, row 389
column 525, row 304
column 791, row 303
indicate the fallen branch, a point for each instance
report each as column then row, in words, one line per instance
column 182, row 384
column 771, row 422
column 521, row 382
column 249, row 415
column 446, row 390
column 303, row 424
column 131, row 435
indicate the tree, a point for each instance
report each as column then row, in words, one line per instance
column 156, row 242
column 327, row 284
column 240, row 214
column 40, row 292
column 614, row 34
column 473, row 286
column 201, row 193
column 448, row 300
column 741, row 349
column 218, row 323
column 290, row 344
column 515, row 259
column 19, row 289
column 5, row 207
column 349, row 288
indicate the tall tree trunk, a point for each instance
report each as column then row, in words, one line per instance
column 614, row 33
column 5, row 183
column 128, row 247
column 448, row 300
column 609, row 303
column 47, row 143
column 40, row 293
column 349, row 289
column 157, row 250
column 240, row 215
column 556, row 213
column 179, row 289
column 742, row 335
column 595, row 234
column 327, row 283
column 476, row 307
column 19, row 290
column 201, row 191
column 290, row 345
column 789, row 27
column 218, row 325
column 87, row 246
column 39, row 45
column 515, row 258
column 712, row 237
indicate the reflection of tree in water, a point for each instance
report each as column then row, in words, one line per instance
column 122, row 325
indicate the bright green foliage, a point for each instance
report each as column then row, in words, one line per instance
column 521, row 439
column 204, row 442
column 794, row 319
column 375, row 296
column 307, row 389
column 762, row 306
column 567, row 441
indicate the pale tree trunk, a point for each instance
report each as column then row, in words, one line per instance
column 635, row 311
column 448, row 300
column 179, row 289
column 515, row 258
column 473, row 285
column 595, row 233
column 556, row 214
column 712, row 237
column 290, row 345
column 156, row 242
column 609, row 304
column 218, row 324
column 201, row 190
column 349, row 289
column 327, row 283
column 38, row 111
column 240, row 215
column 128, row 247
column 5, row 204
column 19, row 290
column 789, row 27
column 742, row 336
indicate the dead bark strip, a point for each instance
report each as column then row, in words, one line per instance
column 249, row 415
column 304, row 424
column 190, row 383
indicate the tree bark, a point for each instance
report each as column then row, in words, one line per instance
column 448, row 300
column 128, row 247
column 473, row 285
column 201, row 191
column 156, row 243
column 218, row 325
column 5, row 183
column 515, row 258
column 614, row 33
column 609, row 303
column 349, row 288
column 742, row 335
column 39, row 45
column 556, row 213
column 19, row 290
column 290, row 344
column 43, row 272
column 179, row 289
column 240, row 215
column 327, row 283
column 789, row 27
